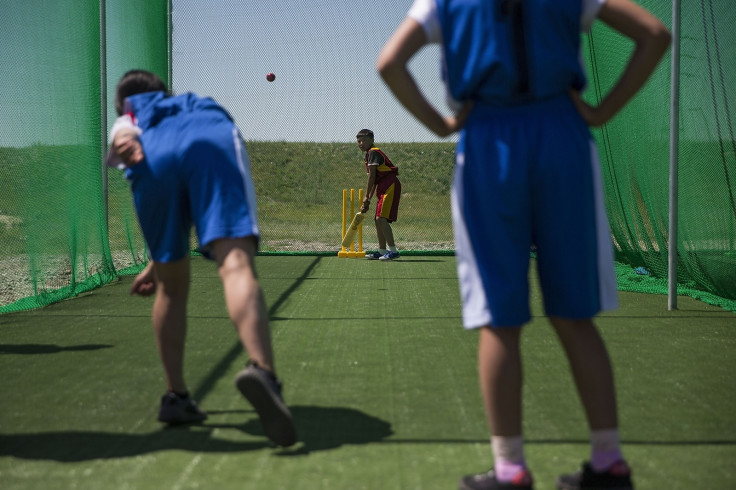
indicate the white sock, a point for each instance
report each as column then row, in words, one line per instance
column 605, row 449
column 393, row 248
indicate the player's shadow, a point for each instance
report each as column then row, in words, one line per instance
column 48, row 348
column 323, row 428
column 318, row 428
column 76, row 446
column 417, row 261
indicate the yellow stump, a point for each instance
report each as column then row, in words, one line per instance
column 343, row 252
column 354, row 250
column 360, row 229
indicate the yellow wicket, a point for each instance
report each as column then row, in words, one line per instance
column 354, row 250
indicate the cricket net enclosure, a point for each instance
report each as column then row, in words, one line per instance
column 67, row 223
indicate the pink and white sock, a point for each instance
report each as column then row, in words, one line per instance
column 508, row 455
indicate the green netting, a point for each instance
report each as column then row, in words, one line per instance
column 634, row 150
column 137, row 36
column 53, row 233
column 54, row 237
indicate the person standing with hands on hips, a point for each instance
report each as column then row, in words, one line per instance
column 527, row 174
column 384, row 181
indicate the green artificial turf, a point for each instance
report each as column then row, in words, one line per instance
column 379, row 374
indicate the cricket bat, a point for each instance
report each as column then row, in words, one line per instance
column 352, row 230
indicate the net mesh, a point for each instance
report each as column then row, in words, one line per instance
column 51, row 197
column 67, row 225
column 634, row 150
column 137, row 36
column 54, row 239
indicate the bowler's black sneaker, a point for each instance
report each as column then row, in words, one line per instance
column 617, row 477
column 263, row 390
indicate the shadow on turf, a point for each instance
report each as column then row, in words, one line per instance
column 47, row 348
column 319, row 429
column 323, row 428
column 415, row 261
column 349, row 427
column 75, row 446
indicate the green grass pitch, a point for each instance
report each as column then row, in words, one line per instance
column 380, row 376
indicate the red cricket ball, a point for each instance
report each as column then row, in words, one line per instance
column 270, row 77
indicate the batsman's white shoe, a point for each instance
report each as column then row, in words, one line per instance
column 390, row 255
column 373, row 255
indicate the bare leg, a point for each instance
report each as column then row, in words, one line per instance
column 591, row 369
column 500, row 375
column 380, row 234
column 244, row 298
column 386, row 232
column 170, row 319
column 247, row 309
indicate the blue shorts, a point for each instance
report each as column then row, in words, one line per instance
column 196, row 172
column 529, row 176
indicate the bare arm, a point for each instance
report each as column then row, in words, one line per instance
column 128, row 147
column 651, row 40
column 370, row 188
column 125, row 147
column 144, row 283
column 392, row 63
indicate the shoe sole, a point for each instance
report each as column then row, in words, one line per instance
column 274, row 415
column 560, row 485
column 593, row 488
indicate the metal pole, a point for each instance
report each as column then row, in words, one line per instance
column 170, row 47
column 674, row 145
column 103, row 106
